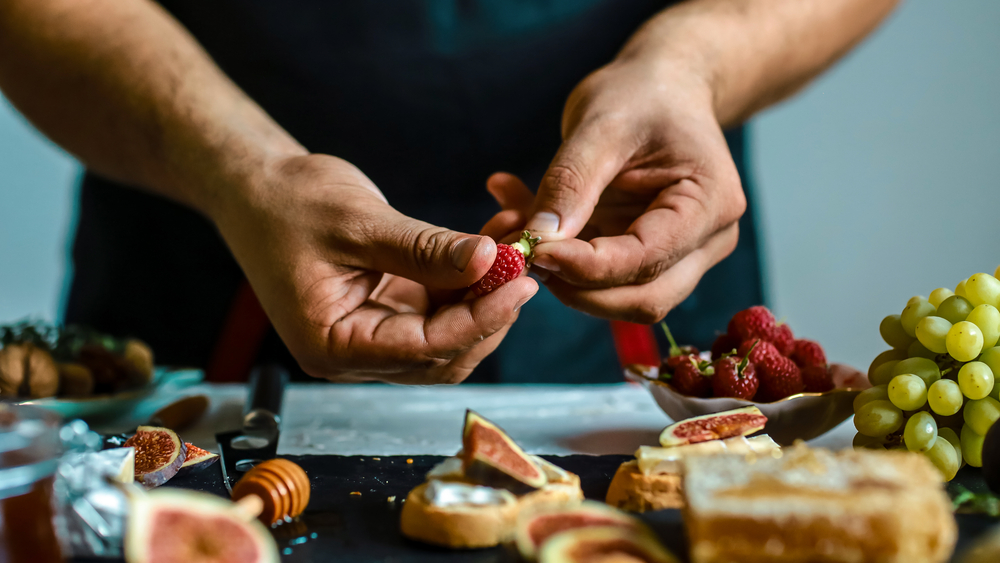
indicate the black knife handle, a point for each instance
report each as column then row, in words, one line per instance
column 262, row 412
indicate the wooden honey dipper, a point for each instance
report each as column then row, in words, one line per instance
column 274, row 490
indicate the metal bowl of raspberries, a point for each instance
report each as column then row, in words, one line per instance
column 758, row 361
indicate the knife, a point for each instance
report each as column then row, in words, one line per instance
column 257, row 440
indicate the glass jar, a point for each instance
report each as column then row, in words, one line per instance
column 30, row 448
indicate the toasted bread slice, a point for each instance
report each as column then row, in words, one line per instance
column 817, row 506
column 653, row 480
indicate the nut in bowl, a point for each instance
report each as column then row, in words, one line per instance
column 759, row 362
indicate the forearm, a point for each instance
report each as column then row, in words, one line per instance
column 127, row 90
column 752, row 53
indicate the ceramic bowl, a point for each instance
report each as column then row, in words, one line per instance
column 797, row 417
column 108, row 407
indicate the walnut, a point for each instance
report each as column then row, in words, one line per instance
column 27, row 371
column 139, row 359
column 75, row 380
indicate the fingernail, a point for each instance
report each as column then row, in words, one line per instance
column 462, row 252
column 539, row 275
column 546, row 263
column 544, row 222
column 522, row 302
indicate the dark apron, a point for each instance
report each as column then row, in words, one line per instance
column 428, row 98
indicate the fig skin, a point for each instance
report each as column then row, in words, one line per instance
column 75, row 380
column 196, row 459
column 606, row 541
column 151, row 443
column 559, row 519
column 484, row 471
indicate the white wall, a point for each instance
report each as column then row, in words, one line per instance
column 875, row 184
column 36, row 200
column 881, row 180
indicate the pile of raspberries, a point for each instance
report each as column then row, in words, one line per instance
column 757, row 359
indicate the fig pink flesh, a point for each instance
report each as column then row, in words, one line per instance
column 488, row 443
column 550, row 524
column 717, row 427
column 614, row 550
column 180, row 536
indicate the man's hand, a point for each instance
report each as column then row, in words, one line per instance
column 642, row 197
column 342, row 276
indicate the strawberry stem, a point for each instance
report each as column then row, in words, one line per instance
column 675, row 350
column 746, row 359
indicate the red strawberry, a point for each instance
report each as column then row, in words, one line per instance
column 724, row 344
column 692, row 377
column 817, row 379
column 783, row 339
column 808, row 353
column 677, row 354
column 735, row 378
column 757, row 350
column 508, row 264
column 779, row 377
column 750, row 324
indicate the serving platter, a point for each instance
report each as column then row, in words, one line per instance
column 353, row 515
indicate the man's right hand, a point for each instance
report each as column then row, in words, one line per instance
column 344, row 277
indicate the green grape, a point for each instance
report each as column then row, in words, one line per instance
column 943, row 456
column 883, row 373
column 982, row 289
column 867, row 442
column 877, row 393
column 991, row 357
column 915, row 299
column 960, row 289
column 996, row 273
column 981, row 414
column 976, row 380
column 878, row 418
column 964, row 341
column 932, row 332
column 908, row 392
column 945, row 397
column 884, row 357
column 923, row 368
column 953, row 439
column 918, row 350
column 892, row 332
column 920, row 432
column 939, row 295
column 954, row 309
column 972, row 446
column 912, row 314
column 987, row 318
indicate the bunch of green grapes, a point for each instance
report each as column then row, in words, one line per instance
column 934, row 391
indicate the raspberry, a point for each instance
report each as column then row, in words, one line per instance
column 508, row 264
column 749, row 324
column 691, row 377
column 817, row 379
column 760, row 351
column 724, row 344
column 808, row 353
column 783, row 339
column 734, row 378
column 779, row 377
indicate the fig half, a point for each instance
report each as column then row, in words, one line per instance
column 159, row 455
column 603, row 543
column 718, row 426
column 492, row 459
column 535, row 527
column 172, row 525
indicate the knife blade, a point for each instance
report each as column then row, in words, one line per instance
column 257, row 439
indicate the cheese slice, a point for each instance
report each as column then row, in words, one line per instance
column 443, row 493
column 655, row 461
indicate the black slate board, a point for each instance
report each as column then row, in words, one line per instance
column 346, row 528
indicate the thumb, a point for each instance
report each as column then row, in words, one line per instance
column 429, row 255
column 584, row 165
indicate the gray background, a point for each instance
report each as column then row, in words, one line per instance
column 875, row 184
